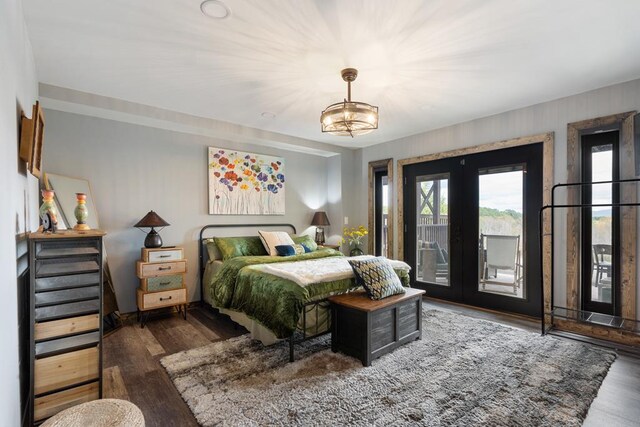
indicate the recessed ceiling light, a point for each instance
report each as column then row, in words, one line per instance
column 215, row 9
column 268, row 115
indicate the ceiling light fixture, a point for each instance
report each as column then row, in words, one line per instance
column 349, row 118
column 215, row 9
column 268, row 115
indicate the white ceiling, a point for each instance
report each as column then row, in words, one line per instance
column 426, row 64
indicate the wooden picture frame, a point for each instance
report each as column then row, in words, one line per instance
column 31, row 137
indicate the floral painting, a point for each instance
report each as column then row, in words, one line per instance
column 245, row 184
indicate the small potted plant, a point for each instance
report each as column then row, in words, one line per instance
column 354, row 236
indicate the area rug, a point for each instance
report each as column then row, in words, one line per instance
column 464, row 372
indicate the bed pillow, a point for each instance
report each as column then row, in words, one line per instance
column 271, row 239
column 289, row 250
column 212, row 250
column 307, row 241
column 231, row 247
column 377, row 277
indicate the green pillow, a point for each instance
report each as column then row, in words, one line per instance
column 231, row 247
column 212, row 250
column 305, row 240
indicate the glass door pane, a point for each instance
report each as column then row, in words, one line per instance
column 601, row 224
column 501, row 244
column 432, row 229
column 384, row 251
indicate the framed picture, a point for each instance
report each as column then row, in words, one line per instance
column 31, row 136
column 245, row 183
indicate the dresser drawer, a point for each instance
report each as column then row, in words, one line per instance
column 148, row 301
column 64, row 327
column 67, row 247
column 52, row 373
column 66, row 296
column 162, row 255
column 67, row 282
column 160, row 268
column 162, row 283
column 49, row 405
column 65, row 266
column 66, row 344
column 54, row 312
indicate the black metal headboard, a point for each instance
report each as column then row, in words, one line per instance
column 202, row 239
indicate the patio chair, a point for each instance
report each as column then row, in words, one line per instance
column 601, row 266
column 434, row 262
column 501, row 253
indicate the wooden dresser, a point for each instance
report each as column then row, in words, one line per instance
column 66, row 312
column 161, row 272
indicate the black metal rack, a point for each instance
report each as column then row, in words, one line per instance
column 584, row 316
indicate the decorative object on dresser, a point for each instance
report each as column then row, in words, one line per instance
column 152, row 220
column 48, row 212
column 65, row 200
column 66, row 308
column 31, row 136
column 320, row 220
column 245, row 183
column 161, row 272
column 81, row 212
column 368, row 329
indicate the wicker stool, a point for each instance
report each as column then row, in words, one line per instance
column 99, row 413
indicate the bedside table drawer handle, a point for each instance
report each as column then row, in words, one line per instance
column 165, row 299
column 164, row 283
column 164, row 268
column 164, row 256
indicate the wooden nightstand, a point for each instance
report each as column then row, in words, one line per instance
column 161, row 272
column 327, row 245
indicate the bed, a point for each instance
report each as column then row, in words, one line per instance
column 275, row 297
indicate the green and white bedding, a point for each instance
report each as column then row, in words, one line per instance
column 270, row 296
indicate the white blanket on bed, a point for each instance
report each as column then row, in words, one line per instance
column 320, row 270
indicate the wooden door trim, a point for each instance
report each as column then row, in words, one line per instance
column 547, row 140
column 622, row 122
column 373, row 166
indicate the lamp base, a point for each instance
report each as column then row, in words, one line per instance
column 153, row 240
column 320, row 235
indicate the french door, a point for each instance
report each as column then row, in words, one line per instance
column 471, row 228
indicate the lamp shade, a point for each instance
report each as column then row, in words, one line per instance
column 320, row 219
column 151, row 219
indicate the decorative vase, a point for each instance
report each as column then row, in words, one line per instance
column 48, row 211
column 81, row 212
column 356, row 251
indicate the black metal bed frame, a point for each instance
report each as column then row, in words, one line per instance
column 307, row 308
column 552, row 208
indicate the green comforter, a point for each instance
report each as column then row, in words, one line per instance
column 273, row 301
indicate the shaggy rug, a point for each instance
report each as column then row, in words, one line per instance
column 463, row 372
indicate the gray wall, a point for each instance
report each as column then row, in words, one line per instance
column 551, row 116
column 18, row 92
column 133, row 169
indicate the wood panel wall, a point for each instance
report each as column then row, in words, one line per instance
column 373, row 166
column 624, row 123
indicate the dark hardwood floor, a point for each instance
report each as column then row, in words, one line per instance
column 132, row 369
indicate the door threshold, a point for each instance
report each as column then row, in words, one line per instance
column 534, row 319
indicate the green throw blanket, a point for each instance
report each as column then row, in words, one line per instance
column 274, row 302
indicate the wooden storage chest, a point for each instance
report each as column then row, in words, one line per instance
column 367, row 329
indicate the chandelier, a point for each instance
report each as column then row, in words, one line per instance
column 349, row 117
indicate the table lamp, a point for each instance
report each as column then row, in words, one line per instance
column 152, row 219
column 320, row 220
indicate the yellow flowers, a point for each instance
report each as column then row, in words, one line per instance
column 354, row 235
